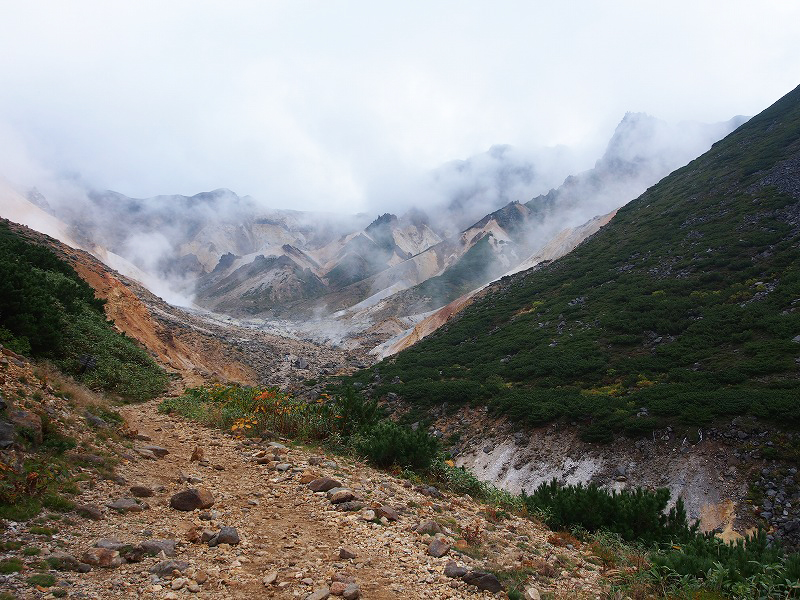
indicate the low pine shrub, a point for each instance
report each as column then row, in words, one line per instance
column 388, row 444
column 749, row 568
column 633, row 515
column 354, row 412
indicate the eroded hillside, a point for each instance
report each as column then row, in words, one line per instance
column 195, row 347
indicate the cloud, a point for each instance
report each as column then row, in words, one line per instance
column 316, row 105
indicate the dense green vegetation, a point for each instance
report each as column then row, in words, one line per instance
column 670, row 558
column 746, row 568
column 386, row 443
column 635, row 515
column 48, row 311
column 685, row 305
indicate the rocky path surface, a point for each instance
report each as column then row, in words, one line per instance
column 276, row 537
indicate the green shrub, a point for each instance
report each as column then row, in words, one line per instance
column 688, row 308
column 636, row 515
column 15, row 545
column 354, row 412
column 11, row 565
column 53, row 440
column 388, row 444
column 748, row 568
column 41, row 579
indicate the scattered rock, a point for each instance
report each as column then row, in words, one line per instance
column 62, row 561
column 337, row 588
column 324, row 484
column 156, row 547
column 438, row 548
column 320, row 594
column 367, row 515
column 126, row 505
column 339, row 495
column 351, row 506
column 89, row 511
column 308, row 477
column 388, row 512
column 167, row 567
column 201, row 577
column 94, row 420
column 102, row 557
column 270, row 578
column 29, row 422
column 156, row 450
column 454, row 571
column 8, row 434
column 178, row 583
column 428, row 526
column 351, row 592
column 109, row 544
column 346, row 554
column 483, row 581
column 207, row 535
column 191, row 499
column 141, row 491
column 226, row 535
column 134, row 554
column 186, row 478
column 531, row 593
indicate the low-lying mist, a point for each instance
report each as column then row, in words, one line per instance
column 168, row 242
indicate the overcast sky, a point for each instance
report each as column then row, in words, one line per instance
column 331, row 104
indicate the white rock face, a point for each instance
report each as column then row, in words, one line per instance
column 689, row 471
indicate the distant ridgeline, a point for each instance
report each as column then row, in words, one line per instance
column 686, row 307
column 48, row 311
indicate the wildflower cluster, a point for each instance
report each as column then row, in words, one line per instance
column 256, row 411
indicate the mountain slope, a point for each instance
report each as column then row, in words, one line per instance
column 642, row 151
column 686, row 305
column 564, row 242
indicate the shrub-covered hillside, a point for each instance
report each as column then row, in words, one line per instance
column 48, row 311
column 686, row 306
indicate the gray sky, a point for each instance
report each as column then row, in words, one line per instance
column 334, row 105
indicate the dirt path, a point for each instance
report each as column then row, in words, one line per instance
column 289, row 534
